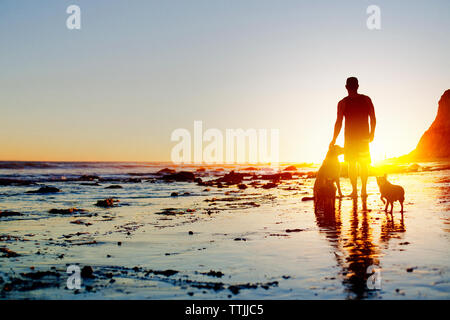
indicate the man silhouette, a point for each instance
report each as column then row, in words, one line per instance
column 356, row 109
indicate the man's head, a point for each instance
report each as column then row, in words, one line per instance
column 352, row 84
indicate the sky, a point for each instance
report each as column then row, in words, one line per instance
column 117, row 88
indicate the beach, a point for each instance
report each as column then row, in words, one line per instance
column 172, row 236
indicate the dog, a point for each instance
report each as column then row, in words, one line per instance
column 325, row 196
column 390, row 193
column 327, row 176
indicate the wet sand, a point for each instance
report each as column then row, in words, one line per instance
column 210, row 242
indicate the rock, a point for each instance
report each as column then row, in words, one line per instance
column 87, row 272
column 66, row 211
column 4, row 214
column 235, row 289
column 114, row 186
column 240, row 239
column 307, row 198
column 200, row 170
column 294, row 230
column 119, row 243
column 15, row 182
column 277, row 176
column 182, row 176
column 232, row 178
column 269, row 185
column 290, row 168
column 212, row 273
column 170, row 212
column 435, row 142
column 313, row 174
column 45, row 190
column 79, row 221
column 190, row 232
column 242, row 186
column 107, row 203
column 166, row 170
column 7, row 287
column 174, row 194
column 166, row 273
column 8, row 253
column 413, row 168
column 198, row 180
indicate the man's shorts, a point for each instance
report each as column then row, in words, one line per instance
column 357, row 151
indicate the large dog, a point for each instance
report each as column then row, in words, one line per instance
column 327, row 176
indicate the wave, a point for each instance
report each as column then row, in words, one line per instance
column 25, row 165
column 76, row 165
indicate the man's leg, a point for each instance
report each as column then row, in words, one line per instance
column 353, row 175
column 364, row 175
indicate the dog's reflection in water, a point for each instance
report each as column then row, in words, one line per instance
column 325, row 197
column 351, row 236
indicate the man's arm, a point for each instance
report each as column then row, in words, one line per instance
column 373, row 121
column 338, row 124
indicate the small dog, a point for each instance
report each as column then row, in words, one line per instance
column 390, row 193
column 327, row 176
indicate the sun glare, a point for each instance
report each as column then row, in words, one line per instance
column 378, row 152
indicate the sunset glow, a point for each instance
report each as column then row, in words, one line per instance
column 103, row 94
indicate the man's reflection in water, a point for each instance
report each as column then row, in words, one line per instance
column 351, row 235
column 361, row 252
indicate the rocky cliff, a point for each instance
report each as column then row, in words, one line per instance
column 435, row 142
